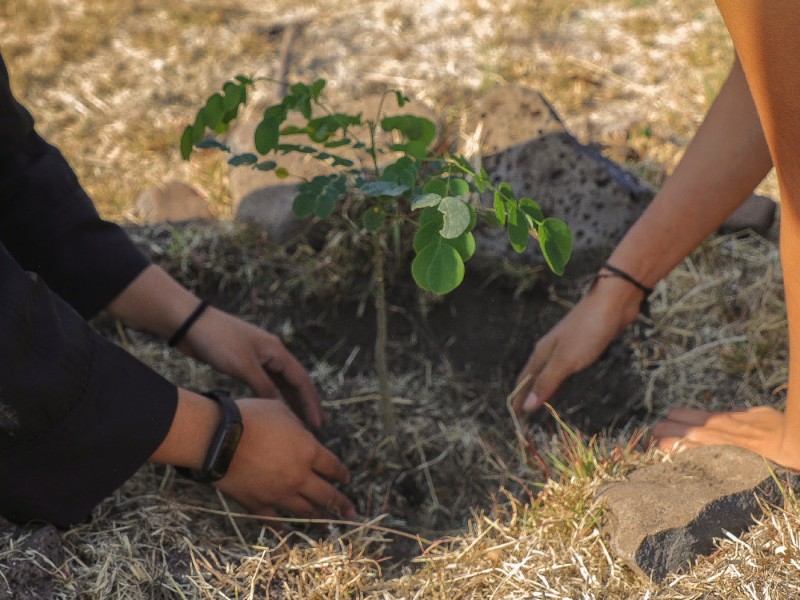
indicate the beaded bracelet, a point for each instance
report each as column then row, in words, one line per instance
column 178, row 335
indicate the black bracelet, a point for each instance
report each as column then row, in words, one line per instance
column 178, row 335
column 615, row 272
column 644, row 307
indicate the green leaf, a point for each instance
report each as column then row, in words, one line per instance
column 531, row 208
column 375, row 189
column 431, row 215
column 401, row 99
column 244, row 79
column 414, row 128
column 281, row 173
column 187, row 142
column 500, row 208
column 316, row 88
column 415, row 148
column 438, row 268
column 302, row 149
column 555, row 240
column 213, row 111
column 374, row 218
column 518, row 228
column 247, row 158
column 425, row 200
column 322, row 128
column 212, row 143
column 464, row 245
column 425, row 236
column 456, row 216
column 337, row 143
column 436, row 186
column 234, row 94
column 403, row 171
column 267, row 165
column 293, row 130
column 267, row 136
column 457, row 187
column 303, row 205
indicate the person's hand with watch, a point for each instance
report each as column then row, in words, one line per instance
column 266, row 460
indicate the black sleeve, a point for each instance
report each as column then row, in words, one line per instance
column 78, row 415
column 50, row 226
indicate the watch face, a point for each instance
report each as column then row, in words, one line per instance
column 223, row 454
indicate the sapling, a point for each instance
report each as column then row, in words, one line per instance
column 439, row 189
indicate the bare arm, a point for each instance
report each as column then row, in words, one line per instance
column 154, row 301
column 724, row 162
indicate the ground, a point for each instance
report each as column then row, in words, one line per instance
column 459, row 511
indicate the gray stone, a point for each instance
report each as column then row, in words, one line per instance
column 665, row 515
column 524, row 142
column 262, row 198
column 27, row 571
column 757, row 213
column 171, row 201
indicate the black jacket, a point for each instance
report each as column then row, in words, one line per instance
column 78, row 415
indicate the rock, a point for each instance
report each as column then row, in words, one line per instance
column 757, row 213
column 263, row 198
column 667, row 514
column 171, row 201
column 27, row 570
column 524, row 142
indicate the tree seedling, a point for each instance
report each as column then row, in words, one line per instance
column 438, row 190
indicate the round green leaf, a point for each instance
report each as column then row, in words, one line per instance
column 457, row 187
column 267, row 135
column 425, row 236
column 445, row 269
column 531, row 208
column 383, row 188
column 303, row 205
column 456, row 217
column 425, row 200
column 464, row 245
column 555, row 239
column 281, row 173
column 431, row 215
column 435, row 186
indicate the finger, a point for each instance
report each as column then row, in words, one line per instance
column 328, row 499
column 259, row 381
column 327, row 464
column 675, row 444
column 541, row 353
column 547, row 383
column 296, row 387
column 301, row 508
column 692, row 433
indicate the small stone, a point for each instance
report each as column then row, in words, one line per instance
column 27, row 571
column 665, row 515
column 171, row 202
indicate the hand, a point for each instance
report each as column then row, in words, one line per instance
column 760, row 429
column 576, row 341
column 258, row 358
column 280, row 465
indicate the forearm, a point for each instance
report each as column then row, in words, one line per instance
column 189, row 436
column 155, row 302
column 726, row 160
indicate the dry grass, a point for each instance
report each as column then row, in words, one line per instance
column 113, row 84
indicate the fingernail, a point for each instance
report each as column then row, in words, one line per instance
column 531, row 402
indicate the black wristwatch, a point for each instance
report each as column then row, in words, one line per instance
column 223, row 445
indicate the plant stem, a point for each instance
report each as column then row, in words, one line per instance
column 386, row 408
